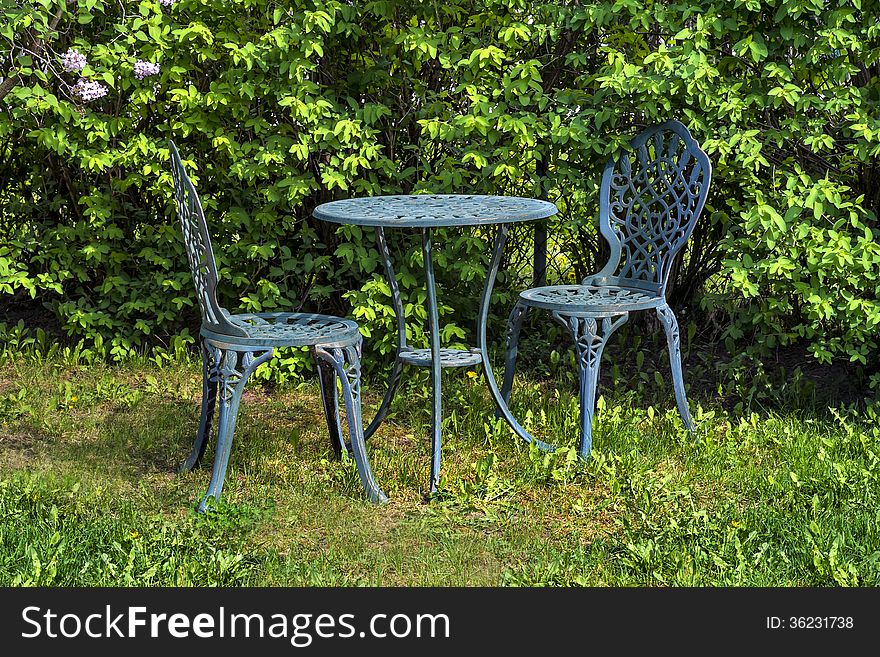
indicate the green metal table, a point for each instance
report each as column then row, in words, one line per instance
column 426, row 212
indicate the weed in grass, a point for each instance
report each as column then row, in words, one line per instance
column 55, row 533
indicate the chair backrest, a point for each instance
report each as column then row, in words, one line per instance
column 198, row 249
column 649, row 203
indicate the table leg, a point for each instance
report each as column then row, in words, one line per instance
column 436, row 369
column 503, row 410
column 397, row 304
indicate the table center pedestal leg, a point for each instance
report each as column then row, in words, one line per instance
column 436, row 366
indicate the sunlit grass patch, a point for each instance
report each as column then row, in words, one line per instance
column 90, row 495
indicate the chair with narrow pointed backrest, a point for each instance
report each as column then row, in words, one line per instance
column 649, row 201
column 234, row 345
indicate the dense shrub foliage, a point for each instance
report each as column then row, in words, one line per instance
column 279, row 105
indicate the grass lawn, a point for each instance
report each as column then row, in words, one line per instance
column 89, row 493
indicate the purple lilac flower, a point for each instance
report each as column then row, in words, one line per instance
column 88, row 90
column 144, row 69
column 73, row 60
column 166, row 3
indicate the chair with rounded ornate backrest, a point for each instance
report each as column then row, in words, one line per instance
column 649, row 202
column 234, row 345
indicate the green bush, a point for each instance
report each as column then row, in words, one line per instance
column 280, row 105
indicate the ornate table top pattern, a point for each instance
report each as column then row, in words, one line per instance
column 433, row 210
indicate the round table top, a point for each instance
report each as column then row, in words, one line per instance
column 433, row 210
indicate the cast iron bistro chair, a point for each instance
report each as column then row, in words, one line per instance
column 649, row 202
column 234, row 345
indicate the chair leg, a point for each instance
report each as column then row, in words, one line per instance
column 232, row 379
column 670, row 324
column 590, row 339
column 346, row 362
column 514, row 325
column 210, row 377
column 330, row 400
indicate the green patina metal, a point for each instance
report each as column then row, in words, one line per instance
column 233, row 346
column 426, row 212
column 650, row 200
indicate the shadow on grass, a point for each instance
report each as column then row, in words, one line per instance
column 788, row 380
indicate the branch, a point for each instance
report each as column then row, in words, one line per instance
column 39, row 45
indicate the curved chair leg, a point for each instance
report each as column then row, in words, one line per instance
column 210, row 377
column 231, row 387
column 514, row 325
column 670, row 324
column 330, row 400
column 346, row 362
column 590, row 340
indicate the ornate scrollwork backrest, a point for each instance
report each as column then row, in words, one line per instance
column 649, row 203
column 198, row 248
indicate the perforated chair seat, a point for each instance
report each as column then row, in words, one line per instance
column 601, row 300
column 287, row 330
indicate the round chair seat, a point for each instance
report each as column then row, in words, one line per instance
column 594, row 299
column 287, row 330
